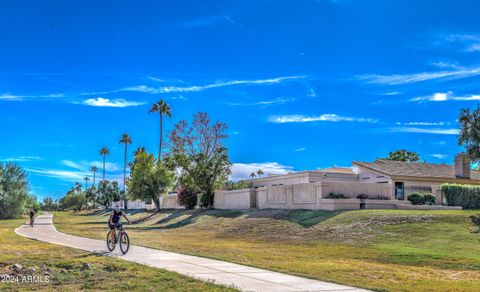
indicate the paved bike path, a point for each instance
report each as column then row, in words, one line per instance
column 242, row 277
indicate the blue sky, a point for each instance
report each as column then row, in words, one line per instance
column 301, row 84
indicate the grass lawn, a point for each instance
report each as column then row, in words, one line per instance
column 64, row 268
column 385, row 250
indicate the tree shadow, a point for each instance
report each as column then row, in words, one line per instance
column 169, row 222
column 476, row 221
column 305, row 218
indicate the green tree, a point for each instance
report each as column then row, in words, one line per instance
column 13, row 190
column 104, row 152
column 91, row 196
column 108, row 192
column 199, row 151
column 94, row 169
column 73, row 200
column 253, row 175
column 162, row 108
column 403, row 155
column 259, row 173
column 49, row 204
column 150, row 178
column 469, row 136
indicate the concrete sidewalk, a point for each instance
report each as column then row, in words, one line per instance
column 242, row 277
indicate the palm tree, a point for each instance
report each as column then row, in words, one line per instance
column 94, row 169
column 104, row 152
column 253, row 175
column 86, row 179
column 260, row 173
column 125, row 140
column 162, row 108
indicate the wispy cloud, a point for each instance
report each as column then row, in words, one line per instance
column 13, row 97
column 243, row 170
column 60, row 174
column 198, row 88
column 85, row 165
column 22, row 159
column 399, row 79
column 229, row 19
column 264, row 102
column 300, row 149
column 320, row 118
column 439, row 131
column 105, row 102
column 439, row 156
column 423, row 124
column 469, row 42
column 444, row 96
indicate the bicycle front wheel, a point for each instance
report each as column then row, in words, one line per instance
column 124, row 242
column 110, row 242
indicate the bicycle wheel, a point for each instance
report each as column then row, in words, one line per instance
column 110, row 242
column 124, row 242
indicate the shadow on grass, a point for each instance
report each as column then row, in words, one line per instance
column 476, row 221
column 169, row 221
column 305, row 218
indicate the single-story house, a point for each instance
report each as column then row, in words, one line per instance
column 385, row 183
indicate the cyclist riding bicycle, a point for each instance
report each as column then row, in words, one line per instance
column 114, row 221
column 32, row 216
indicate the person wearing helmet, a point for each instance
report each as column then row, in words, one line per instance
column 32, row 216
column 114, row 220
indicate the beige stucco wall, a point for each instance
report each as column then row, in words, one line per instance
column 169, row 202
column 313, row 195
column 303, row 177
column 236, row 199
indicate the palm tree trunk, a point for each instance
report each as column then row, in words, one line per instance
column 94, row 178
column 125, row 176
column 103, row 166
column 161, row 139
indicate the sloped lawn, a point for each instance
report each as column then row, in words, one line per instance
column 385, row 250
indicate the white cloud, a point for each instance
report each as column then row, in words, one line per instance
column 398, row 79
column 470, row 42
column 198, row 88
column 60, row 174
column 444, row 96
column 13, row 97
column 439, row 156
column 22, row 158
column 425, row 130
column 105, row 102
column 264, row 102
column 300, row 149
column 320, row 118
column 423, row 124
column 85, row 165
column 243, row 170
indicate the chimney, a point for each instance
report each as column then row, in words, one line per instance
column 462, row 165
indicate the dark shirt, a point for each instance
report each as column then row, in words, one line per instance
column 32, row 214
column 116, row 216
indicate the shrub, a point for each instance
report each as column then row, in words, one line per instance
column 429, row 199
column 187, row 198
column 362, row 196
column 416, row 198
column 466, row 196
column 336, row 196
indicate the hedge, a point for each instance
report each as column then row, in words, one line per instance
column 466, row 196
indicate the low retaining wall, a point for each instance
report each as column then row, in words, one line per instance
column 169, row 202
column 235, row 200
column 313, row 196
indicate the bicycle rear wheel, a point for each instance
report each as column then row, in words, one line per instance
column 110, row 242
column 124, row 242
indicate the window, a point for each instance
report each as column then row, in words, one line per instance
column 399, row 191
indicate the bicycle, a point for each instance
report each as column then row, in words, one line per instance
column 121, row 237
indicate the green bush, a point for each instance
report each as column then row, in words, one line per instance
column 336, row 196
column 466, row 196
column 416, row 198
column 429, row 199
